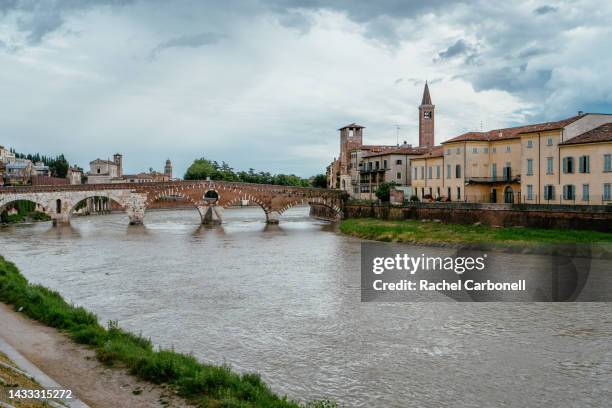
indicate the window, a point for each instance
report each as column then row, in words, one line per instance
column 458, row 171
column 529, row 192
column 384, row 164
column 607, row 192
column 448, row 172
column 429, row 174
column 448, row 193
column 569, row 192
column 398, row 162
column 377, row 165
column 448, row 152
column 438, row 170
column 584, row 165
column 568, row 165
column 508, row 149
column 485, row 150
column 98, row 170
column 494, row 149
column 398, row 175
column 549, row 192
column 416, row 175
column 549, row 142
column 494, row 171
column 422, row 172
column 369, row 165
column 585, row 192
column 549, row 165
column 475, row 150
column 607, row 162
column 438, row 191
column 458, row 150
column 507, row 172
column 529, row 144
column 530, row 167
column 458, row 193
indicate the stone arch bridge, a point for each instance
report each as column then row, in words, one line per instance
column 209, row 197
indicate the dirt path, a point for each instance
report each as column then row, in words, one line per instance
column 75, row 367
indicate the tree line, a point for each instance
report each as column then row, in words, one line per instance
column 58, row 165
column 202, row 169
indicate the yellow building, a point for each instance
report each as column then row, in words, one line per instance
column 563, row 162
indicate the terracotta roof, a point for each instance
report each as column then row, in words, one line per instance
column 602, row 133
column 352, row 125
column 513, row 132
column 408, row 150
column 436, row 151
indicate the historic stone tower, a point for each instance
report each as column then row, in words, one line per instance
column 118, row 159
column 168, row 169
column 426, row 120
column 351, row 137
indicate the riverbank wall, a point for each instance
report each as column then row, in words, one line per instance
column 595, row 218
column 323, row 212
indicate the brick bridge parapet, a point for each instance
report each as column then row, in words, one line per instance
column 59, row 201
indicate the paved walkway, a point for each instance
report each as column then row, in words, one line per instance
column 55, row 361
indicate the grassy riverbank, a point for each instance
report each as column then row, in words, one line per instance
column 435, row 232
column 203, row 385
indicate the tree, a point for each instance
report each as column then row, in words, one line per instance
column 384, row 190
column 58, row 166
column 319, row 181
column 201, row 169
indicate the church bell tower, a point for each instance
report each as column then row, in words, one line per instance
column 426, row 120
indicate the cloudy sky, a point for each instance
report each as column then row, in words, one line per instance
column 266, row 83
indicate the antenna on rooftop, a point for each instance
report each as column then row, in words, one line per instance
column 397, row 129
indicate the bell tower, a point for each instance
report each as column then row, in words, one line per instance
column 426, row 120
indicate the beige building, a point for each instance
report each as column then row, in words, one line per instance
column 386, row 166
column 428, row 175
column 552, row 162
column 104, row 171
column 6, row 156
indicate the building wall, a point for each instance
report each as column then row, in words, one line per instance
column 423, row 184
column 595, row 179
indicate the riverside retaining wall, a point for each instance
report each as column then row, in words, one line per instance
column 597, row 218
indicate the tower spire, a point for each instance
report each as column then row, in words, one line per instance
column 426, row 97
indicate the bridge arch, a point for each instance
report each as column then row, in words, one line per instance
column 98, row 207
column 200, row 206
column 8, row 201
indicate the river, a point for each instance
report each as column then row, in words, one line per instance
column 284, row 301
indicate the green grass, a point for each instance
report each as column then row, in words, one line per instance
column 21, row 217
column 203, row 385
column 433, row 232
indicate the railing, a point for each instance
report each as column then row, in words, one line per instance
column 513, row 179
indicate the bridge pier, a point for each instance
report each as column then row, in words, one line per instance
column 272, row 217
column 212, row 215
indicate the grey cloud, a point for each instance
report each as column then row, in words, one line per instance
column 459, row 49
column 545, row 9
column 511, row 79
column 191, row 41
column 37, row 19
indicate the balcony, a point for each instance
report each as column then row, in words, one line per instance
column 364, row 170
column 493, row 180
